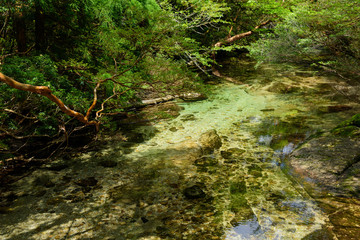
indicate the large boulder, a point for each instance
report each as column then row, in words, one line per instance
column 328, row 164
column 209, row 141
column 185, row 152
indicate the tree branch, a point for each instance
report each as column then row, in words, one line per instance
column 46, row 92
column 241, row 35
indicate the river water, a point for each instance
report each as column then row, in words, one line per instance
column 157, row 185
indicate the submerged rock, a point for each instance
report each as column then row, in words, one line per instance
column 194, row 192
column 209, row 141
column 135, row 137
column 335, row 108
column 162, row 111
column 304, row 74
column 108, row 163
column 206, row 161
column 87, row 182
column 5, row 210
column 173, row 129
column 44, row 180
column 191, row 97
column 184, row 152
column 188, row 117
column 278, row 87
column 232, row 152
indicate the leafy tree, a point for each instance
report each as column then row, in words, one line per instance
column 325, row 33
column 93, row 58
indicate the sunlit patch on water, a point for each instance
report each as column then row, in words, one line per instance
column 288, row 149
column 248, row 229
column 265, row 140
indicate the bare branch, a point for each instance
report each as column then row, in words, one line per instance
column 45, row 91
column 19, row 114
column 241, row 35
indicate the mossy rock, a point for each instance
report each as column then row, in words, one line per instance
column 345, row 131
column 348, row 127
column 353, row 121
column 209, row 141
column 188, row 117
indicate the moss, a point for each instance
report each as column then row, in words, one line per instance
column 279, row 144
column 344, row 131
column 238, row 203
column 237, row 187
column 348, row 127
column 355, row 120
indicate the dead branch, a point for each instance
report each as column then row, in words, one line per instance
column 19, row 114
column 237, row 14
column 15, row 53
column 240, row 36
column 99, row 113
column 7, row 133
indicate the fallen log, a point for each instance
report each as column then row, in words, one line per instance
column 188, row 97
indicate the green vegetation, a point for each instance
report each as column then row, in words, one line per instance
column 323, row 33
column 348, row 127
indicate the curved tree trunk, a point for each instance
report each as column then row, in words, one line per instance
column 46, row 92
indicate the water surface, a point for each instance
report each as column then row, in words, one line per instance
column 158, row 186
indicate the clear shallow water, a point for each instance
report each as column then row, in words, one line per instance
column 163, row 188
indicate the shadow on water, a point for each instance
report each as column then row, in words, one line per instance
column 115, row 194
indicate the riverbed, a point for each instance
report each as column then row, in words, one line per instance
column 158, row 183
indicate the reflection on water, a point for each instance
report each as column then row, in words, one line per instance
column 163, row 187
column 265, row 140
column 288, row 149
column 249, row 229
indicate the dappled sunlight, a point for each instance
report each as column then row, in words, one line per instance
column 175, row 180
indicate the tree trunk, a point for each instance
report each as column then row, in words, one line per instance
column 20, row 31
column 40, row 41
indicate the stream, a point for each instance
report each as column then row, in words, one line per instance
column 159, row 184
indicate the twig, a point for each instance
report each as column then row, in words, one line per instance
column 19, row 114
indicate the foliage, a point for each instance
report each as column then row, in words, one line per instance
column 132, row 47
column 140, row 48
column 326, row 33
column 39, row 70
